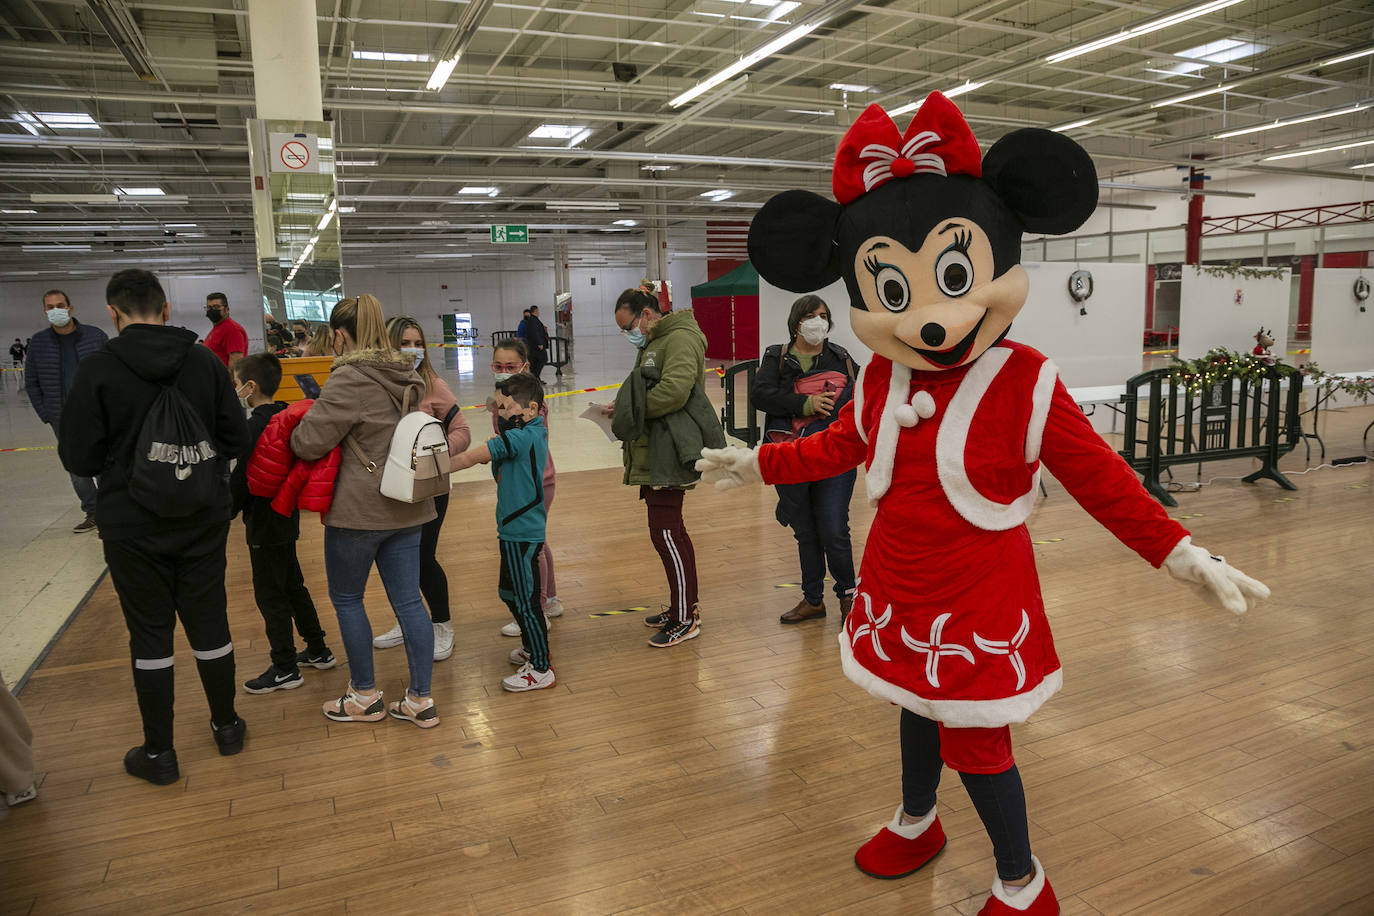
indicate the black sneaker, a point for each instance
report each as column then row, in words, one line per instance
column 275, row 679
column 230, row 737
column 674, row 633
column 86, row 524
column 320, row 658
column 658, row 621
column 161, row 770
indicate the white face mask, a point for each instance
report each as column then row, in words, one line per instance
column 416, row 353
column 814, row 330
column 59, row 318
column 501, row 377
column 243, row 397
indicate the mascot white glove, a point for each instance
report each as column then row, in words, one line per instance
column 729, row 467
column 1211, row 577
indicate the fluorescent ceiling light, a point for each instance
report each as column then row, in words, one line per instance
column 1287, row 122
column 1323, row 149
column 55, row 121
column 1190, row 96
column 573, row 133
column 57, row 247
column 445, row 254
column 1221, row 51
column 397, row 56
column 457, row 43
column 1345, row 57
column 180, row 225
column 73, row 199
column 1073, row 124
column 294, row 195
column 768, row 49
column 141, row 192
column 718, row 194
column 1145, row 28
column 960, row 90
column 442, row 71
column 348, row 209
column 324, row 220
column 15, row 212
column 581, row 205
column 622, row 222
column 655, row 167
column 1362, row 165
column 475, row 189
column 850, row 87
column 820, row 113
column 360, row 162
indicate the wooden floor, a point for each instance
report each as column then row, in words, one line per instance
column 1195, row 763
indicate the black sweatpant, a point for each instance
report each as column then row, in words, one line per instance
column 519, row 588
column 279, row 589
column 158, row 578
column 674, row 546
column 998, row 798
column 433, row 582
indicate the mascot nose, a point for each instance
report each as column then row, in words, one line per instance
column 933, row 334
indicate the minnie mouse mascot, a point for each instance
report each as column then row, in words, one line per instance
column 953, row 422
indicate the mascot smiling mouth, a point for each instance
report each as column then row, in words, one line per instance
column 954, row 355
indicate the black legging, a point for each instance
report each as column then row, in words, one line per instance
column 998, row 797
column 433, row 582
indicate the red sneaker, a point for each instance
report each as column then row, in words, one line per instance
column 1035, row 899
column 900, row 849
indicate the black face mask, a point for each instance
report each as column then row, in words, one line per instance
column 506, row 424
column 214, row 315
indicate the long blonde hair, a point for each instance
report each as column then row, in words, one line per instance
column 395, row 327
column 362, row 318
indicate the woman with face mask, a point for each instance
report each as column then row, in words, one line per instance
column 801, row 386
column 511, row 357
column 408, row 338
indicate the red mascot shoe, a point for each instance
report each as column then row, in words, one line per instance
column 900, row 849
column 1035, row 899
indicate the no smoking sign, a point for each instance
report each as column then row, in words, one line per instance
column 295, row 152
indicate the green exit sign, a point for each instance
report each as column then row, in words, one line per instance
column 510, row 235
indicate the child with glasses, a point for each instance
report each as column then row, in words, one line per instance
column 511, row 357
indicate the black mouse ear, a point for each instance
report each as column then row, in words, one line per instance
column 792, row 241
column 1048, row 180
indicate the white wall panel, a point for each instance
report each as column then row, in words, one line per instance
column 1209, row 315
column 1342, row 335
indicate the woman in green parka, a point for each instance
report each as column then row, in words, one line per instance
column 663, row 419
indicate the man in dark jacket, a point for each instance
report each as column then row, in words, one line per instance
column 52, row 357
column 161, row 567
column 537, row 339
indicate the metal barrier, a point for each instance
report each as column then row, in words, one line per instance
column 729, row 414
column 1235, row 418
column 560, row 354
column 498, row 336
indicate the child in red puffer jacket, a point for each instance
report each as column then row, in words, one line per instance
column 278, row 583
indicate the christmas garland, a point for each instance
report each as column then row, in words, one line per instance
column 1361, row 387
column 1236, row 269
column 1220, row 365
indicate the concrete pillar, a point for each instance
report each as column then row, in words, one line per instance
column 286, row 60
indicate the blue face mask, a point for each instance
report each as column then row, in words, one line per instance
column 637, row 337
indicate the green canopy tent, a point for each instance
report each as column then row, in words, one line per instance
column 727, row 308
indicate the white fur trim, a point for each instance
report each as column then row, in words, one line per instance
column 905, row 415
column 951, row 441
column 1025, row 896
column 953, row 713
column 913, row 830
column 859, row 406
column 1041, row 396
column 885, row 447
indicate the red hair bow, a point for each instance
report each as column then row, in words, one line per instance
column 874, row 152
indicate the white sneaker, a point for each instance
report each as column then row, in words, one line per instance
column 390, row 639
column 553, row 607
column 519, row 656
column 513, row 628
column 526, row 678
column 443, row 641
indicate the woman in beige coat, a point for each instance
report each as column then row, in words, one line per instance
column 363, row 527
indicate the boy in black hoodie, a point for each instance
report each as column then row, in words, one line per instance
column 161, row 567
column 278, row 583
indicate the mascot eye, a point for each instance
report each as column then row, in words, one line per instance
column 891, row 285
column 954, row 272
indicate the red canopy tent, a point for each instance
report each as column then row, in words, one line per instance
column 727, row 308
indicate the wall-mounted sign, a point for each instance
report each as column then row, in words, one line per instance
column 510, row 235
column 294, row 153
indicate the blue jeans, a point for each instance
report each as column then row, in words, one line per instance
column 84, row 486
column 818, row 514
column 348, row 558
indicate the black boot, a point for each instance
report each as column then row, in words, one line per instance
column 161, row 770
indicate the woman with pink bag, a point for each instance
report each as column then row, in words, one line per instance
column 801, row 386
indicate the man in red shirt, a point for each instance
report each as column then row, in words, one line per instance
column 227, row 338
